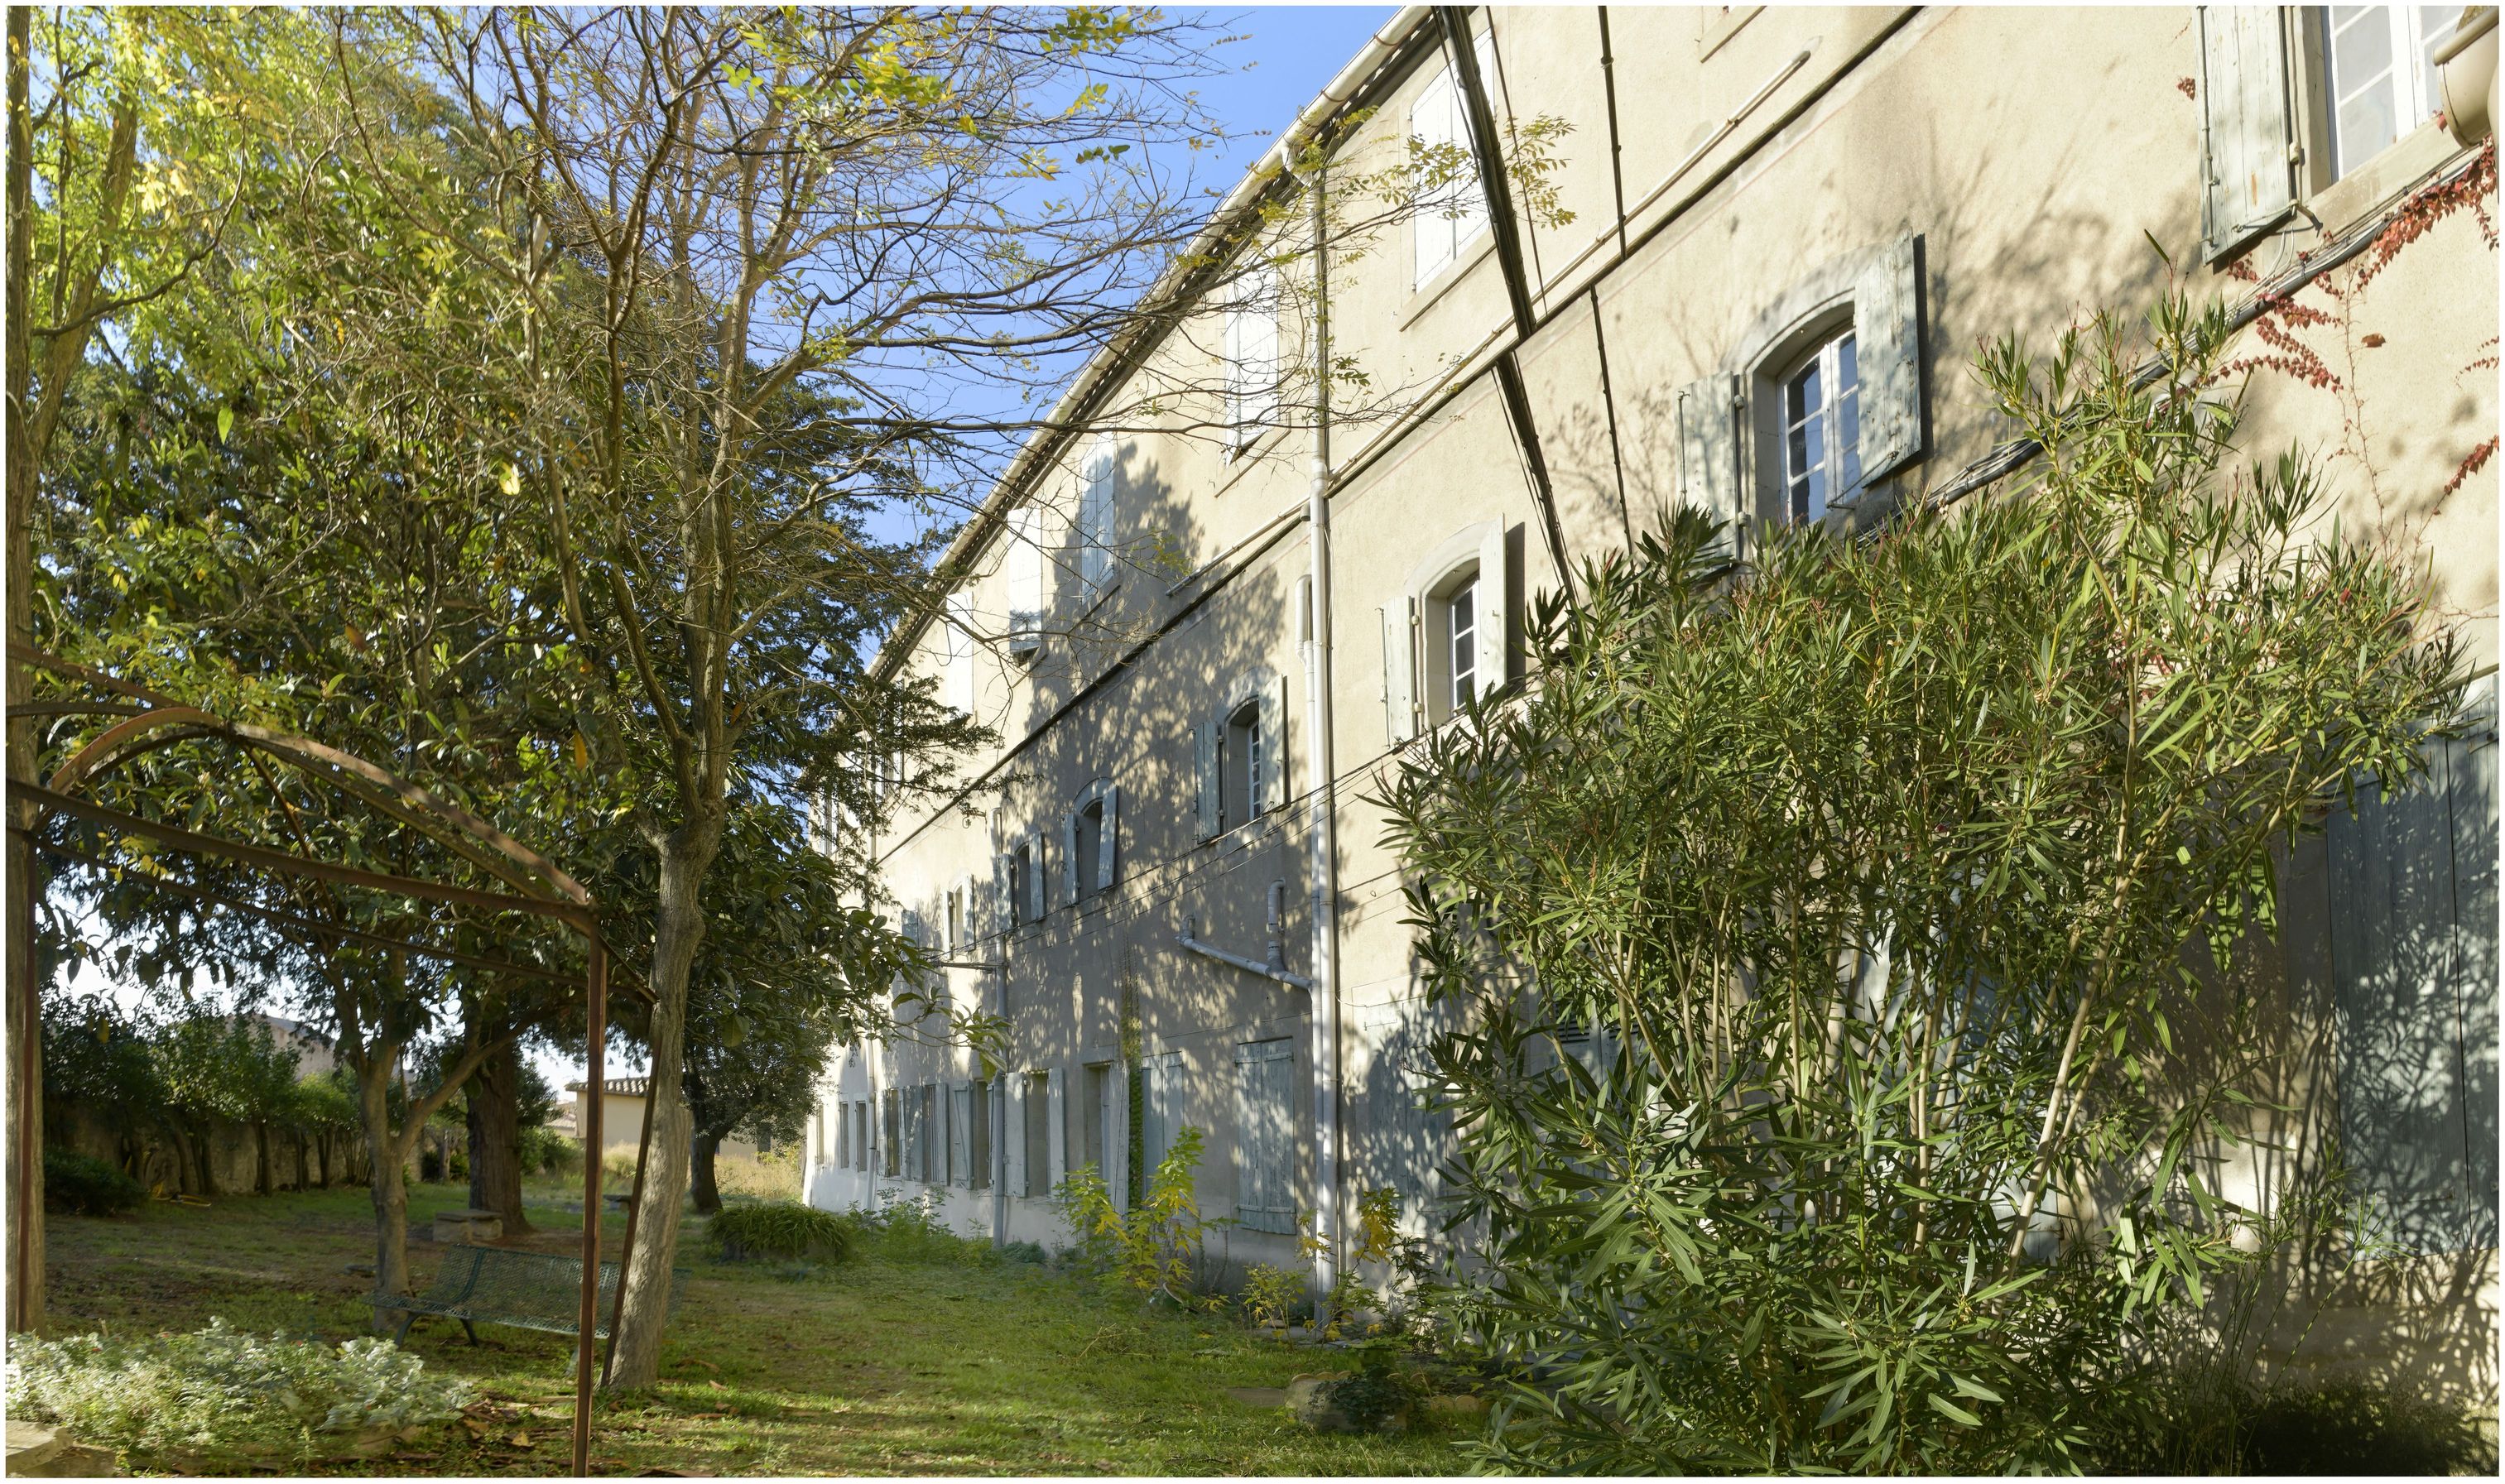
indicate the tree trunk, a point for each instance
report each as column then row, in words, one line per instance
column 635, row 1356
column 494, row 1105
column 263, row 1184
column 26, row 1076
column 304, row 1169
column 708, row 1194
column 205, row 1150
column 390, row 1188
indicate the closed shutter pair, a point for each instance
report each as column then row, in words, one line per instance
column 1265, row 1198
column 1039, row 1150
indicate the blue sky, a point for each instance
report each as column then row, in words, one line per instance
column 1271, row 62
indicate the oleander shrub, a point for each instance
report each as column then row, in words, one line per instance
column 83, row 1184
column 222, row 1389
column 1865, row 952
column 782, row 1229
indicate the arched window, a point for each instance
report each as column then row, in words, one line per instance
column 1241, row 754
column 1445, row 643
column 1090, row 841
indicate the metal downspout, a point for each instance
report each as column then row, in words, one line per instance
column 1322, row 833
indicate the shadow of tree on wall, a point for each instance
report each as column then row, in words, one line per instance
column 2412, row 930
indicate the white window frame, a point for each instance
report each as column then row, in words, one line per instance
column 1837, row 424
column 2416, row 92
column 1460, row 642
column 1240, row 754
column 1093, row 531
column 1436, row 612
column 1442, row 229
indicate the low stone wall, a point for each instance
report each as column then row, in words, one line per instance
column 210, row 1156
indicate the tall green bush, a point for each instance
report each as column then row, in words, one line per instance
column 1859, row 947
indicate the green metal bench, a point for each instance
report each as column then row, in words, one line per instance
column 500, row 1286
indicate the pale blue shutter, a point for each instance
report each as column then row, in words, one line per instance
column 1264, row 1136
column 1887, row 350
column 1494, row 623
column 1399, row 667
column 2413, row 970
column 2247, row 148
column 1057, row 1132
column 1273, row 793
column 1204, row 764
column 1708, row 449
column 961, row 1134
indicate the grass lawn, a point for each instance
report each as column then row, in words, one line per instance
column 923, row 1365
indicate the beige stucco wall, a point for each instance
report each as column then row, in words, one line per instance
column 2039, row 154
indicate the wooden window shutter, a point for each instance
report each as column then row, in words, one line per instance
column 2248, row 168
column 1273, row 745
column 1400, row 670
column 1204, row 765
column 1003, row 902
column 1070, row 866
column 961, row 1134
column 1492, row 620
column 1107, row 837
column 1034, row 875
column 1024, row 560
column 1057, row 1131
column 1708, row 449
column 1013, row 1117
column 1264, row 1136
column 2412, row 899
column 978, row 1136
column 1887, row 336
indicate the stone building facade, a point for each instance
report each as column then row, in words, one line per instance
column 1751, row 279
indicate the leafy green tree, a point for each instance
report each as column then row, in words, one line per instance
column 789, row 969
column 710, row 212
column 133, row 135
column 1862, row 951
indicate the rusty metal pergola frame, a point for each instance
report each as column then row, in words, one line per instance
column 537, row 887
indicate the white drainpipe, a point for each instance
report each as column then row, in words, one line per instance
column 1322, row 833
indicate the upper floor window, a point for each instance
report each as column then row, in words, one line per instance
column 1821, row 425
column 1444, row 637
column 1241, row 773
column 1450, row 215
column 957, row 636
column 1240, row 754
column 1090, row 841
column 2380, row 75
column 1253, row 355
column 1023, row 565
column 1095, row 528
column 1021, row 882
column 1089, row 844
